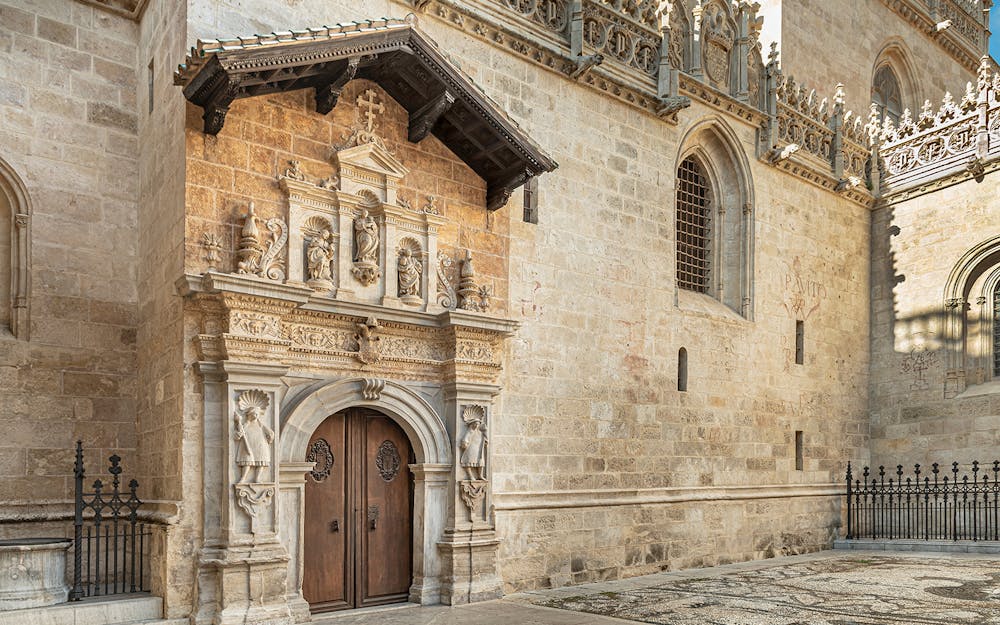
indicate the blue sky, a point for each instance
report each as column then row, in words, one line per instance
column 995, row 29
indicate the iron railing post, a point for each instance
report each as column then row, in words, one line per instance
column 77, row 592
column 849, row 523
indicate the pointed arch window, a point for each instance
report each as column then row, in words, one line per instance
column 694, row 227
column 15, row 223
column 886, row 94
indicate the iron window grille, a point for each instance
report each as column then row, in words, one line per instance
column 693, row 227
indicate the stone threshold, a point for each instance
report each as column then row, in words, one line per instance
column 110, row 610
column 331, row 618
column 923, row 546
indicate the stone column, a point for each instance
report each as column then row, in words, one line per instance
column 291, row 521
column 345, row 253
column 469, row 547
column 696, row 42
column 430, row 492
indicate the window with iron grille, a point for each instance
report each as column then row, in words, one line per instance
column 996, row 333
column 693, row 227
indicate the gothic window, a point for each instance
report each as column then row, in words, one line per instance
column 693, row 227
column 15, row 222
column 886, row 94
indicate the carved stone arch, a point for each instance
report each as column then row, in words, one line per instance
column 717, row 148
column 895, row 55
column 412, row 412
column 16, row 206
column 307, row 409
column 979, row 260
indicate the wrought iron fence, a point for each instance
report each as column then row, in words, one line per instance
column 935, row 506
column 109, row 542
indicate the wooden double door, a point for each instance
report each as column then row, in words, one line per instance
column 359, row 513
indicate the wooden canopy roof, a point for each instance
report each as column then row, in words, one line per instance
column 440, row 98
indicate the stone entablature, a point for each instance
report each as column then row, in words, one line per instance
column 959, row 26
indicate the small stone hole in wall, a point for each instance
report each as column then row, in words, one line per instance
column 531, row 201
column 800, row 342
column 798, row 450
column 149, row 93
column 682, row 369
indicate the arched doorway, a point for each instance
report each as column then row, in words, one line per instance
column 358, row 526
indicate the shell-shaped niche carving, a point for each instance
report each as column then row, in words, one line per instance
column 409, row 271
column 320, row 249
column 368, row 198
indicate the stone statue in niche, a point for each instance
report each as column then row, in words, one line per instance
column 319, row 254
column 409, row 271
column 366, row 241
column 254, row 435
column 474, row 443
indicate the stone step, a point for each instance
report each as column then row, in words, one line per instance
column 929, row 546
column 112, row 610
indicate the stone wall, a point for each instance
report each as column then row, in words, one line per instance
column 916, row 245
column 68, row 127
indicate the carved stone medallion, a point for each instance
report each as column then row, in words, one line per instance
column 387, row 461
column 322, row 455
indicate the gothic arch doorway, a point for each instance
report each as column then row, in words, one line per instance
column 358, row 513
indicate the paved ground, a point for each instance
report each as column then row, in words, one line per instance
column 831, row 588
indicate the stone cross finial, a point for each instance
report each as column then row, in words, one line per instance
column 371, row 107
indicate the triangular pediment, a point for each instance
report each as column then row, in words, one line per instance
column 372, row 158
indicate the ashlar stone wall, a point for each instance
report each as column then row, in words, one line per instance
column 68, row 129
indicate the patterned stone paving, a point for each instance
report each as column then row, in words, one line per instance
column 849, row 588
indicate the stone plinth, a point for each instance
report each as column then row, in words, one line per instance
column 35, row 572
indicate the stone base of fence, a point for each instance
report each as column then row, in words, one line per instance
column 929, row 546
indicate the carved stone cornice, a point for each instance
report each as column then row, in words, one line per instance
column 822, row 179
column 956, row 46
column 959, row 173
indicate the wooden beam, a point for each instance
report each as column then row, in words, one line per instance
column 327, row 95
column 424, row 119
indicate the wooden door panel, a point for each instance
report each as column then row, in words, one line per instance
column 328, row 566
column 387, row 534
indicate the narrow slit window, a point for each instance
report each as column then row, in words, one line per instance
column 531, row 201
column 682, row 369
column 800, row 342
column 151, row 85
column 798, row 450
column 693, row 227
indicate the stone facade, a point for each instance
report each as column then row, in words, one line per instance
column 244, row 268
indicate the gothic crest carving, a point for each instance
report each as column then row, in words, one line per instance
column 719, row 37
column 387, row 461
column 368, row 342
column 254, row 436
column 322, row 455
column 473, row 492
column 259, row 256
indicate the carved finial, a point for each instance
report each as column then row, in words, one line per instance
column 926, row 115
column 969, row 98
column 253, row 257
column 213, row 245
column 772, row 56
column 872, row 127
column 983, row 75
column 839, row 95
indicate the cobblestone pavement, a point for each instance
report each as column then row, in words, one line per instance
column 830, row 588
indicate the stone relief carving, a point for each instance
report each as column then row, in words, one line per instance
column 255, row 324
column 366, row 244
column 475, row 442
column 294, row 172
column 213, row 246
column 624, row 31
column 252, row 497
column 315, row 337
column 255, row 437
column 471, row 295
column 431, row 207
column 409, row 270
column 387, row 461
column 371, row 388
column 322, row 455
column 473, row 492
column 552, row 14
column 368, row 342
column 445, row 292
column 680, row 34
column 257, row 258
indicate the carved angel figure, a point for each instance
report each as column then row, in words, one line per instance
column 319, row 254
column 409, row 271
column 255, row 450
column 474, row 443
column 366, row 238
